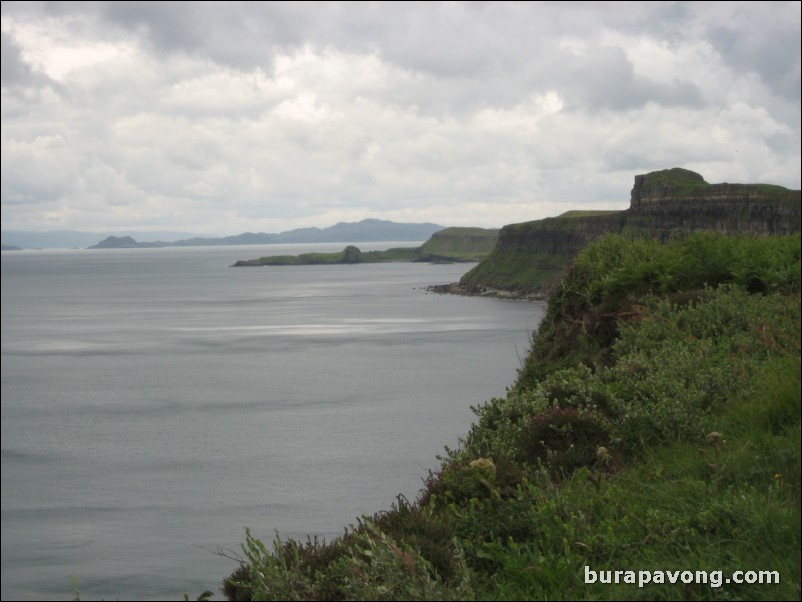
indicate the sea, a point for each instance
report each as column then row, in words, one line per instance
column 156, row 402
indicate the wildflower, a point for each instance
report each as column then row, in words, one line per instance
column 601, row 453
column 715, row 439
column 482, row 464
column 602, row 456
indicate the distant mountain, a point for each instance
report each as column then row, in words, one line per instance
column 125, row 242
column 368, row 230
column 69, row 239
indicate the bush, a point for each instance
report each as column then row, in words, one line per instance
column 381, row 568
column 563, row 439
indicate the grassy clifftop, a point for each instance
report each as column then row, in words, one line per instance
column 678, row 183
column 466, row 244
column 650, row 449
column 530, row 258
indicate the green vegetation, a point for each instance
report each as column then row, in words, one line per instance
column 654, row 429
column 349, row 254
column 614, row 277
column 679, row 183
column 676, row 181
column 515, row 272
column 447, row 245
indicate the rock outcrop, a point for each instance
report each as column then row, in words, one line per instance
column 678, row 200
column 529, row 258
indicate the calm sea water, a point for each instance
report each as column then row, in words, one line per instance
column 155, row 402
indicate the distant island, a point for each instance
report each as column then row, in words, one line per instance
column 449, row 245
column 76, row 239
column 367, row 230
column 125, row 242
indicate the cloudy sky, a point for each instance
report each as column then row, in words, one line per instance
column 221, row 118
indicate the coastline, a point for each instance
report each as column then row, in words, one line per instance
column 456, row 288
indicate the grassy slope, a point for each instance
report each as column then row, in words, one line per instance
column 520, row 266
column 657, row 427
column 466, row 244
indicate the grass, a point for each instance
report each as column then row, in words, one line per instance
column 516, row 272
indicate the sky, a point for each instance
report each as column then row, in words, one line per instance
column 221, row 118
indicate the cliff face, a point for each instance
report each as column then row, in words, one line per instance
column 530, row 257
column 678, row 200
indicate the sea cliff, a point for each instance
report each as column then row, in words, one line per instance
column 530, row 258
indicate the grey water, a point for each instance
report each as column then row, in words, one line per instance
column 155, row 402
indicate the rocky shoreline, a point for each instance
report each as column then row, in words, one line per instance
column 455, row 288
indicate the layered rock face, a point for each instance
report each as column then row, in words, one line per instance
column 678, row 200
column 530, row 257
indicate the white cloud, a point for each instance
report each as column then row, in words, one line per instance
column 245, row 116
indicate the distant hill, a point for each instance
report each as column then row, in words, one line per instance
column 124, row 242
column 368, row 230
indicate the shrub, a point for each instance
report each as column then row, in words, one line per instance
column 563, row 439
column 428, row 533
column 381, row 568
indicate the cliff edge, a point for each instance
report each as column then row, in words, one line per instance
column 530, row 258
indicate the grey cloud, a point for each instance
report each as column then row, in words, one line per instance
column 242, row 35
column 605, row 79
column 422, row 37
column 463, row 55
column 765, row 53
column 16, row 72
column 230, row 115
column 14, row 69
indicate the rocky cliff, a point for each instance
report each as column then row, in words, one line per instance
column 678, row 200
column 529, row 258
